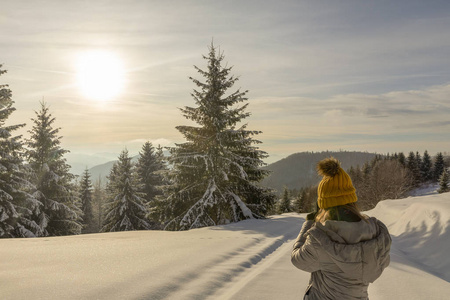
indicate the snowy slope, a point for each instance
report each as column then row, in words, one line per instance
column 247, row 260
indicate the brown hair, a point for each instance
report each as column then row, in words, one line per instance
column 332, row 213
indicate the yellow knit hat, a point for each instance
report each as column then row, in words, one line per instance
column 336, row 187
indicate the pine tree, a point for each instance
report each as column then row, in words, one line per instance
column 444, row 182
column 419, row 166
column 285, row 203
column 439, row 166
column 15, row 203
column 125, row 208
column 216, row 171
column 57, row 213
column 402, row 159
column 413, row 167
column 98, row 196
column 148, row 169
column 86, row 203
column 113, row 177
column 426, row 168
column 298, row 203
column 411, row 162
column 395, row 156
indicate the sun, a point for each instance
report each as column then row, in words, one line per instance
column 100, row 75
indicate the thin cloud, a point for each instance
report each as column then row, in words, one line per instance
column 431, row 125
column 41, row 70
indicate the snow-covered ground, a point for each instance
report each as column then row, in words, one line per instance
column 246, row 260
column 425, row 189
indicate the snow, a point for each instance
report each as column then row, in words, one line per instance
column 420, row 230
column 426, row 189
column 245, row 260
column 245, row 210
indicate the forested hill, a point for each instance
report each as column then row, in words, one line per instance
column 299, row 170
column 295, row 171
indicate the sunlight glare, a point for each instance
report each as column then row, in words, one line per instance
column 100, row 75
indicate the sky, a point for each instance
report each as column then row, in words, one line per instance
column 322, row 75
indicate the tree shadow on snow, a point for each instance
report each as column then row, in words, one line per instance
column 276, row 231
column 424, row 248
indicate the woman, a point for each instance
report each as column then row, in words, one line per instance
column 342, row 249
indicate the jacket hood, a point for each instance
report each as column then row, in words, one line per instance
column 359, row 249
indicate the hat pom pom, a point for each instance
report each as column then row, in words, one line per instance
column 328, row 167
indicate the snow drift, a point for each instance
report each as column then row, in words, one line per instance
column 245, row 260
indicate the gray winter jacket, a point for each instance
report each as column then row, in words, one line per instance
column 343, row 257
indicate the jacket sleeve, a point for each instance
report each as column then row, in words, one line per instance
column 304, row 255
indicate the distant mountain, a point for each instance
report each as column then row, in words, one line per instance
column 299, row 170
column 79, row 162
column 103, row 170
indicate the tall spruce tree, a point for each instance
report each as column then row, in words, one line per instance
column 89, row 224
column 395, row 156
column 15, row 202
column 57, row 213
column 125, row 208
column 285, row 202
column 216, row 171
column 298, row 202
column 426, row 167
column 148, row 169
column 413, row 167
column 439, row 166
column 402, row 159
column 112, row 178
column 419, row 166
column 98, row 196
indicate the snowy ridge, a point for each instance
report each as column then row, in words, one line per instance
column 245, row 260
column 420, row 231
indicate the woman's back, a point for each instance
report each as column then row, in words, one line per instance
column 344, row 257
